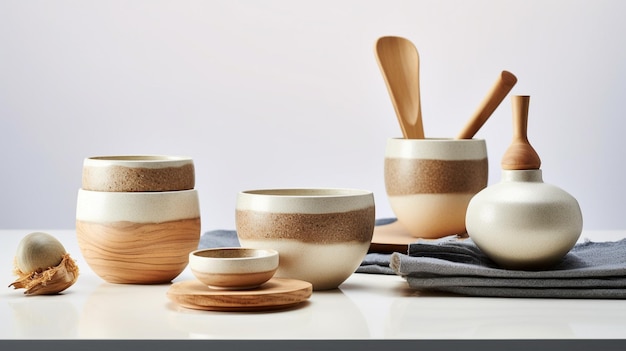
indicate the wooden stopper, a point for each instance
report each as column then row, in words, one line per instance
column 520, row 154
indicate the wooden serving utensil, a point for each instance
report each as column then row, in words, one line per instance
column 398, row 60
column 505, row 82
column 520, row 154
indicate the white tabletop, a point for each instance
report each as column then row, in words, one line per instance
column 366, row 306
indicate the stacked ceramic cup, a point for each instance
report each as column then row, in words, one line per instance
column 138, row 217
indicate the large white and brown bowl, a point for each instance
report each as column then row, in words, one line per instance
column 137, row 237
column 138, row 173
column 321, row 235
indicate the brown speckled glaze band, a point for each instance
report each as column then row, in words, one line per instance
column 138, row 179
column 357, row 225
column 420, row 176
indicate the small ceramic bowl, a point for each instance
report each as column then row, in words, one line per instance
column 137, row 173
column 233, row 268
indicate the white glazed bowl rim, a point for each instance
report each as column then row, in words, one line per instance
column 308, row 192
column 233, row 260
column 138, row 194
column 121, row 159
column 138, row 207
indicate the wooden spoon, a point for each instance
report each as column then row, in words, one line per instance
column 520, row 154
column 398, row 60
column 505, row 82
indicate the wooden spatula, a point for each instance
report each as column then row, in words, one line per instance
column 398, row 60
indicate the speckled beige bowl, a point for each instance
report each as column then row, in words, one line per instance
column 233, row 268
column 322, row 235
column 138, row 173
column 429, row 182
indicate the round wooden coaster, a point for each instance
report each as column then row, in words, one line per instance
column 277, row 293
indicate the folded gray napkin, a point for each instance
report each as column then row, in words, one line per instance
column 589, row 270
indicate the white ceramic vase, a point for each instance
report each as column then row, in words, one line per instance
column 523, row 223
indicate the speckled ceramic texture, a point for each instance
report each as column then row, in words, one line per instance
column 322, row 235
column 429, row 182
column 233, row 268
column 524, row 223
column 138, row 173
column 137, row 237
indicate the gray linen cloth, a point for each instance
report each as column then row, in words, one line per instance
column 219, row 238
column 589, row 270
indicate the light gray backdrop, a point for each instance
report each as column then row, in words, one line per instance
column 281, row 93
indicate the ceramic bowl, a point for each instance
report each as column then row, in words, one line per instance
column 138, row 173
column 233, row 268
column 321, row 235
column 429, row 182
column 137, row 237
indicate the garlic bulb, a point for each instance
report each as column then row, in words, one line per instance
column 43, row 266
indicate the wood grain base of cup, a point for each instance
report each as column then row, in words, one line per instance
column 138, row 253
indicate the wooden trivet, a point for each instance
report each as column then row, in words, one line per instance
column 392, row 237
column 277, row 293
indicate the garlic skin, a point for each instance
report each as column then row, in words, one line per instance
column 43, row 266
